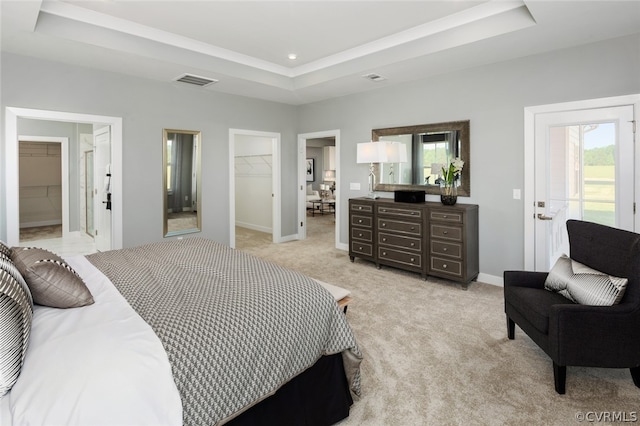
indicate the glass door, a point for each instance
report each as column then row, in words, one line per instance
column 584, row 169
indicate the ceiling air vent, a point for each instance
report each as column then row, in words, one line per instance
column 196, row 80
column 374, row 77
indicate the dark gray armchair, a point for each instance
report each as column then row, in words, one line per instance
column 580, row 335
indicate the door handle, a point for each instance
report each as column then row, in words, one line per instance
column 543, row 217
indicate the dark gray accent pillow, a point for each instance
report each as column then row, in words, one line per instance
column 16, row 313
column 51, row 280
column 584, row 285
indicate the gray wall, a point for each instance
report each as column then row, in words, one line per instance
column 146, row 108
column 493, row 97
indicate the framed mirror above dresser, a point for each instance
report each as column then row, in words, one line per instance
column 429, row 147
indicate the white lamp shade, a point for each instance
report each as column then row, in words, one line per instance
column 370, row 152
column 381, row 152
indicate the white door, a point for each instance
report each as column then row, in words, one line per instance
column 102, row 188
column 584, row 169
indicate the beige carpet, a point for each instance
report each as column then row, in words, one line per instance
column 438, row 355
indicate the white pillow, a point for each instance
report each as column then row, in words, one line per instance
column 583, row 285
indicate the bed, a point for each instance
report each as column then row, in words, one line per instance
column 187, row 332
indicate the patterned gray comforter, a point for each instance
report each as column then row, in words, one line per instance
column 235, row 327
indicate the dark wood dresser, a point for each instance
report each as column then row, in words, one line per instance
column 429, row 238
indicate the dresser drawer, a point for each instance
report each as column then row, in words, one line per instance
column 453, row 233
column 362, row 234
column 363, row 221
column 359, row 247
column 399, row 241
column 446, row 249
column 446, row 266
column 364, row 208
column 445, row 216
column 402, row 257
column 408, row 228
column 395, row 211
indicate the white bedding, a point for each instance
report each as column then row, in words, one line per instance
column 97, row 365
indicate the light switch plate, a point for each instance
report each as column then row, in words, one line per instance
column 516, row 194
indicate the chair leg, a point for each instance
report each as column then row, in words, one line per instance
column 559, row 377
column 635, row 375
column 511, row 329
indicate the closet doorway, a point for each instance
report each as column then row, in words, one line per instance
column 12, row 117
column 254, row 201
column 43, row 187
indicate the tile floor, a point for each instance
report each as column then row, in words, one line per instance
column 49, row 238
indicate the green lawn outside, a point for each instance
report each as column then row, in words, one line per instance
column 599, row 185
column 599, row 172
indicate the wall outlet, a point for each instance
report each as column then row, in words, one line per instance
column 354, row 186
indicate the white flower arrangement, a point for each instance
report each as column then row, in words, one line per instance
column 451, row 173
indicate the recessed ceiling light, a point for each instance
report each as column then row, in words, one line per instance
column 293, row 56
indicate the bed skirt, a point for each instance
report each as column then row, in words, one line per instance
column 318, row 396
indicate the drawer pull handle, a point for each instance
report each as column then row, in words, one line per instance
column 359, row 220
column 359, row 248
column 412, row 260
column 384, row 240
column 384, row 253
column 360, row 234
column 413, row 228
column 444, row 266
column 444, row 216
column 384, row 224
column 413, row 213
column 359, row 207
column 445, row 232
column 444, row 249
column 413, row 244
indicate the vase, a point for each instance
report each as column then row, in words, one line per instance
column 448, row 193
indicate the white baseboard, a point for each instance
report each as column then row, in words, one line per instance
column 287, row 238
column 490, row 279
column 254, row 227
column 40, row 223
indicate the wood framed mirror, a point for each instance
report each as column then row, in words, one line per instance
column 181, row 180
column 427, row 145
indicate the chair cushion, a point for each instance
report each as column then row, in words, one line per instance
column 338, row 293
column 584, row 285
column 534, row 304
